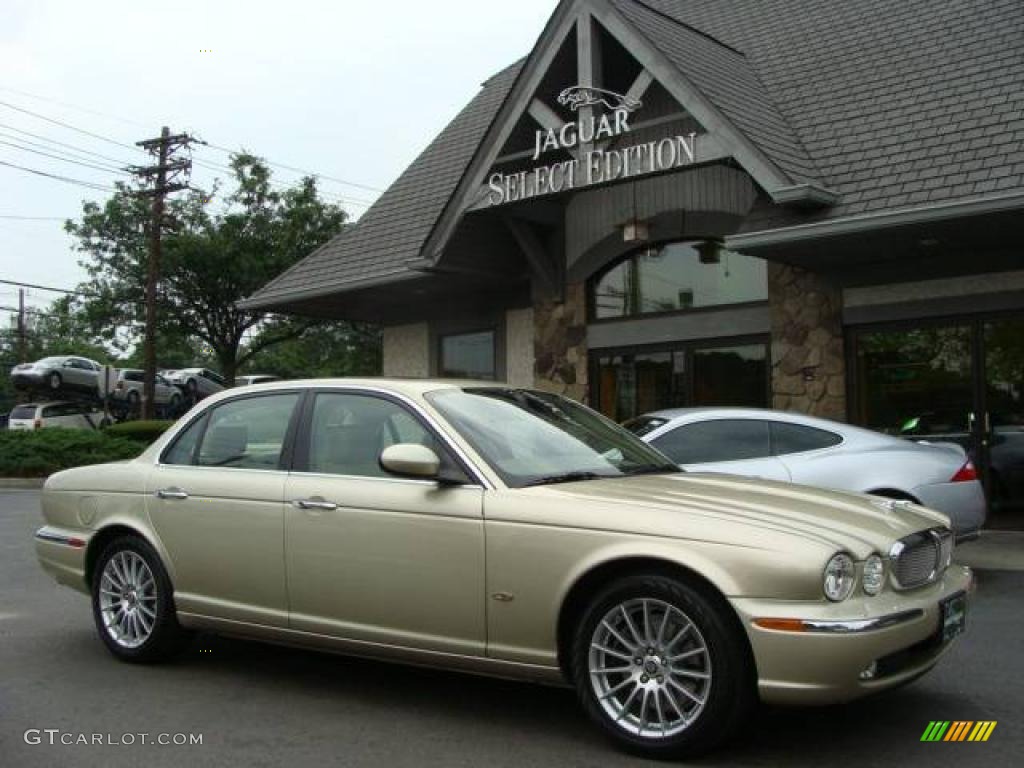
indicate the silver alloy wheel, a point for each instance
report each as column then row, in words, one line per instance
column 649, row 668
column 127, row 594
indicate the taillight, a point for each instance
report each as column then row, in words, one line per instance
column 120, row 385
column 37, row 424
column 965, row 474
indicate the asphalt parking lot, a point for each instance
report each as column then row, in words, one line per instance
column 259, row 705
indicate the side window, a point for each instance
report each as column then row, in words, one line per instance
column 796, row 438
column 183, row 448
column 349, row 432
column 712, row 441
column 247, row 433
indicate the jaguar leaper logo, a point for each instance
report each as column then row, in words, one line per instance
column 579, row 96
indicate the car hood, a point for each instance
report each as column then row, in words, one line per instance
column 736, row 509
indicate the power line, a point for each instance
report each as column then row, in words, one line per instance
column 14, row 217
column 72, row 106
column 79, row 182
column 275, row 164
column 73, row 147
column 21, row 284
column 303, row 171
column 104, row 168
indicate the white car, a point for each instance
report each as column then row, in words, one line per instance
column 197, row 382
column 793, row 448
column 255, row 378
column 61, row 413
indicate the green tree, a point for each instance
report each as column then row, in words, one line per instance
column 217, row 251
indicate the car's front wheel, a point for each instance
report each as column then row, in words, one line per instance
column 660, row 667
column 132, row 602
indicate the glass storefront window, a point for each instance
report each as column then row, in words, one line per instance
column 674, row 277
column 627, row 385
column 468, row 356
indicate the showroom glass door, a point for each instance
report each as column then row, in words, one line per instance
column 626, row 384
column 1002, row 417
column 955, row 382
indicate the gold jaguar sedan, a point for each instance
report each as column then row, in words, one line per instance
column 508, row 532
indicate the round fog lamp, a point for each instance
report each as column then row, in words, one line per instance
column 839, row 578
column 874, row 575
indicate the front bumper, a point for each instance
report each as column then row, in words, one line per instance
column 822, row 663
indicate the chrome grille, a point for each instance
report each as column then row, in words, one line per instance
column 921, row 558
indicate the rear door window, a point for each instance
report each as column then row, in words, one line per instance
column 797, row 438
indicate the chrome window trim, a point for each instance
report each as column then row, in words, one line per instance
column 315, row 388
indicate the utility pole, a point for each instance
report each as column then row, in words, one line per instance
column 163, row 174
column 21, row 326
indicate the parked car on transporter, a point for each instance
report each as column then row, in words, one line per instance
column 61, row 413
column 56, row 373
column 197, row 383
column 349, row 515
column 130, row 383
column 791, row 447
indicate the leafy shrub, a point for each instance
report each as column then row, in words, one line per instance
column 44, row 451
column 146, row 431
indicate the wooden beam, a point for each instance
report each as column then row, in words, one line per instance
column 542, row 265
column 640, row 85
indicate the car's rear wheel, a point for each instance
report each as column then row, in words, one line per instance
column 660, row 667
column 132, row 602
column 54, row 380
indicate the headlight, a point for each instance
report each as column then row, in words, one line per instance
column 840, row 577
column 874, row 575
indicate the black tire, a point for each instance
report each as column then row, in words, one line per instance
column 730, row 690
column 54, row 381
column 174, row 405
column 166, row 637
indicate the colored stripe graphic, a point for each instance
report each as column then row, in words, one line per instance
column 982, row 730
column 935, row 730
column 958, row 730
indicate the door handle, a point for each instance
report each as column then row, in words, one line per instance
column 171, row 493
column 314, row 504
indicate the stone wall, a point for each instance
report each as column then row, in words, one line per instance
column 808, row 361
column 406, row 350
column 560, row 343
column 519, row 360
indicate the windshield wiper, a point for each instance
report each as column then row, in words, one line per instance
column 654, row 469
column 568, row 477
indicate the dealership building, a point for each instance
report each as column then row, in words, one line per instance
column 799, row 204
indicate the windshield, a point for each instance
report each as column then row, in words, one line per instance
column 644, row 425
column 530, row 438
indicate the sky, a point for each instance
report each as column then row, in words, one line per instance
column 351, row 90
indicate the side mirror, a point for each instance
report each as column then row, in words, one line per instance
column 411, row 460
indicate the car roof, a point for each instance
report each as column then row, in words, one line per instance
column 789, row 417
column 408, row 386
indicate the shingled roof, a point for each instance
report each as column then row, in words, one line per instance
column 897, row 103
column 890, row 104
